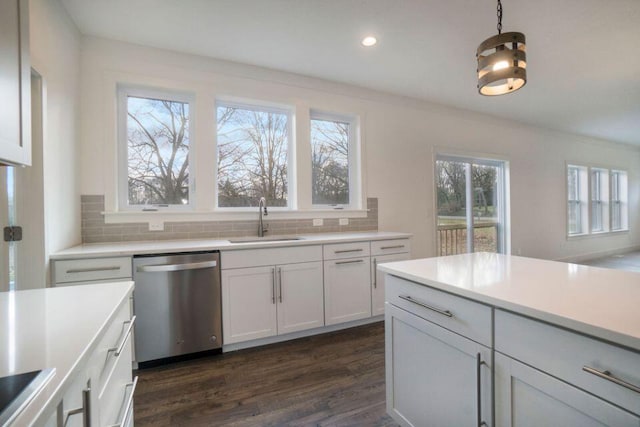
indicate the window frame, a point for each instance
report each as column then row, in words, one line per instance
column 621, row 180
column 268, row 107
column 599, row 196
column 579, row 202
column 123, row 93
column 353, row 160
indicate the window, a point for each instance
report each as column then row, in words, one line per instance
column 253, row 155
column 331, row 151
column 472, row 205
column 155, row 134
column 619, row 219
column 599, row 200
column 596, row 197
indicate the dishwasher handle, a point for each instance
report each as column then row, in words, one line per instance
column 175, row 267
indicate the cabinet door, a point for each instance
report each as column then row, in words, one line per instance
column 434, row 377
column 15, row 83
column 347, row 290
column 528, row 397
column 300, row 297
column 248, row 304
column 377, row 290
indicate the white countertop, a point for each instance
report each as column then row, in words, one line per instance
column 95, row 250
column 600, row 302
column 54, row 328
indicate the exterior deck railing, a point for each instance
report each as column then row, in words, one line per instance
column 452, row 238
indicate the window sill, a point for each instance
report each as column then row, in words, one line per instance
column 124, row 217
column 596, row 234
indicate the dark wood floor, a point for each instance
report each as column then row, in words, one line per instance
column 335, row 379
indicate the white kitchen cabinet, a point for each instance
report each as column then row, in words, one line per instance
column 435, row 377
column 15, row 83
column 347, row 290
column 528, row 397
column 261, row 302
column 248, row 304
column 300, row 297
column 378, row 279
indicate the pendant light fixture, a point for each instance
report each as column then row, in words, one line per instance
column 502, row 62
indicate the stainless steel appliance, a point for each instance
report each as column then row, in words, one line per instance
column 178, row 304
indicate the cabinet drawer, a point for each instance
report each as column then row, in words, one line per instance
column 117, row 335
column 564, row 354
column 346, row 250
column 465, row 317
column 385, row 247
column 84, row 270
column 114, row 398
column 273, row 256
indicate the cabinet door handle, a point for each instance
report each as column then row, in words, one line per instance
column 85, row 410
column 425, row 305
column 280, row 281
column 392, row 247
column 346, row 251
column 129, row 404
column 355, row 261
column 273, row 285
column 160, row 268
column 375, row 273
column 118, row 349
column 93, row 269
column 479, row 363
column 606, row 375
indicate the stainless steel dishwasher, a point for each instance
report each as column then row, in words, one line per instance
column 177, row 304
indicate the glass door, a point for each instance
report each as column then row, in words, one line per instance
column 7, row 218
column 471, row 205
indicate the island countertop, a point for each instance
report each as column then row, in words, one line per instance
column 600, row 302
column 54, row 328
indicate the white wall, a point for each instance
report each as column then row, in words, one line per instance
column 401, row 136
column 55, row 55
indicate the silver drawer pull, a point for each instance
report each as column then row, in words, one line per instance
column 118, row 349
column 128, row 404
column 427, row 306
column 610, row 377
column 93, row 269
column 355, row 261
column 85, row 410
column 175, row 267
column 392, row 247
column 346, row 251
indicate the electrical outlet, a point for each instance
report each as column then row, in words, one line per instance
column 344, row 221
column 156, row 226
column 317, row 222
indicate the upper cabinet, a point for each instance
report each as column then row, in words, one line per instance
column 15, row 83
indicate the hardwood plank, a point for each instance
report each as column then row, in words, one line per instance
column 335, row 379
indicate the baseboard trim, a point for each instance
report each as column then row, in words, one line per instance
column 300, row 334
column 599, row 254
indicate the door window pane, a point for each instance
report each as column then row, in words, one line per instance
column 253, row 152
column 485, row 208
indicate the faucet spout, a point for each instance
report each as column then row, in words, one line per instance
column 262, row 212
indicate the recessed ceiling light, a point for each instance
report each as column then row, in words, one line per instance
column 369, row 41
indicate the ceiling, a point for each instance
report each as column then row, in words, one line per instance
column 583, row 56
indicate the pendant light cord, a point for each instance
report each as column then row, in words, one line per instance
column 499, row 13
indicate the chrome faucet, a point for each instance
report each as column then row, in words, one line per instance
column 262, row 211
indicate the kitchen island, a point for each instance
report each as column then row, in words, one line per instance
column 490, row 339
column 69, row 331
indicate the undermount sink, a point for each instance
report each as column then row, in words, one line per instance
column 264, row 239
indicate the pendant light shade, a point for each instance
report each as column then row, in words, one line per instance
column 502, row 62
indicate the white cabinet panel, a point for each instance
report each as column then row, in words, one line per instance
column 346, row 250
column 347, row 290
column 300, row 297
column 378, row 278
column 434, row 375
column 248, row 304
column 526, row 397
column 387, row 247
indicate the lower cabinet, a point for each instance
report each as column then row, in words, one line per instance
column 435, row 377
column 377, row 277
column 347, row 290
column 528, row 397
column 260, row 302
